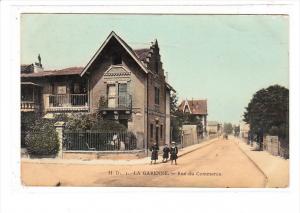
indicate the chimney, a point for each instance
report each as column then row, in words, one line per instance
column 37, row 66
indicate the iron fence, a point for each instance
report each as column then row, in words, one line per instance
column 92, row 140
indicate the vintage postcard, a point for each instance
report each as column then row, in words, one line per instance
column 154, row 100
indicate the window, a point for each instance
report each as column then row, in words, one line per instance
column 122, row 89
column 61, row 90
column 76, row 88
column 157, row 93
column 111, row 94
column 116, row 59
column 161, row 131
column 151, row 130
column 123, row 95
column 50, row 88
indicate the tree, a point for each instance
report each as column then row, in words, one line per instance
column 268, row 112
column 177, row 118
column 236, row 130
column 228, row 128
column 173, row 103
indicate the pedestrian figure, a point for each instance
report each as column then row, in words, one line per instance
column 173, row 152
column 154, row 149
column 251, row 138
column 115, row 142
column 166, row 152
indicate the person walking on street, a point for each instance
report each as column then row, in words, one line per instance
column 173, row 152
column 154, row 149
column 166, row 152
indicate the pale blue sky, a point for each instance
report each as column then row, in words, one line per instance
column 221, row 58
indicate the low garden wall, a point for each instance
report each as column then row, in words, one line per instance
column 96, row 155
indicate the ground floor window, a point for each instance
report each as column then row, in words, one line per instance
column 151, row 130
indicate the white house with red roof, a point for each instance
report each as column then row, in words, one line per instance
column 196, row 108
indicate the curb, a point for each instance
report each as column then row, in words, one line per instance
column 255, row 164
column 210, row 142
column 81, row 162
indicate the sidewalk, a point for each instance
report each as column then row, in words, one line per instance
column 146, row 160
column 275, row 168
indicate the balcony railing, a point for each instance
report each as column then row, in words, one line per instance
column 68, row 102
column 29, row 106
column 116, row 102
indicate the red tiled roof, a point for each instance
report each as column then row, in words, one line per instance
column 66, row 71
column 142, row 53
column 197, row 107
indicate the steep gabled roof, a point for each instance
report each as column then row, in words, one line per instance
column 142, row 53
column 126, row 47
column 196, row 107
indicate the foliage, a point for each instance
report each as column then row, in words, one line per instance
column 28, row 119
column 108, row 125
column 27, row 123
column 176, row 118
column 102, row 103
column 228, row 128
column 268, row 111
column 42, row 139
column 80, row 121
column 91, row 122
column 236, row 130
column 61, row 117
column 173, row 103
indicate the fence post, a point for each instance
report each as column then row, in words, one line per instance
column 59, row 126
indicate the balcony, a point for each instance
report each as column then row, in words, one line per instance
column 119, row 102
column 67, row 102
column 29, row 106
column 30, row 97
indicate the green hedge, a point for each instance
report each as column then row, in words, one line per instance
column 43, row 138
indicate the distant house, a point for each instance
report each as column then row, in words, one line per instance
column 244, row 129
column 213, row 127
column 124, row 84
column 196, row 108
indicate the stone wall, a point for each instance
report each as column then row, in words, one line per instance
column 190, row 136
column 272, row 145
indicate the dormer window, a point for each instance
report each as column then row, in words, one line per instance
column 116, row 59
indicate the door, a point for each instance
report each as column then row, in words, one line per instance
column 111, row 94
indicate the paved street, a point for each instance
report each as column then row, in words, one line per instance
column 220, row 164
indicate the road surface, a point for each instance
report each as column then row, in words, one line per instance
column 220, row 164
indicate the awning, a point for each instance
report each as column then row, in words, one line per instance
column 30, row 83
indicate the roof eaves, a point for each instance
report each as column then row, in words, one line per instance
column 170, row 87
